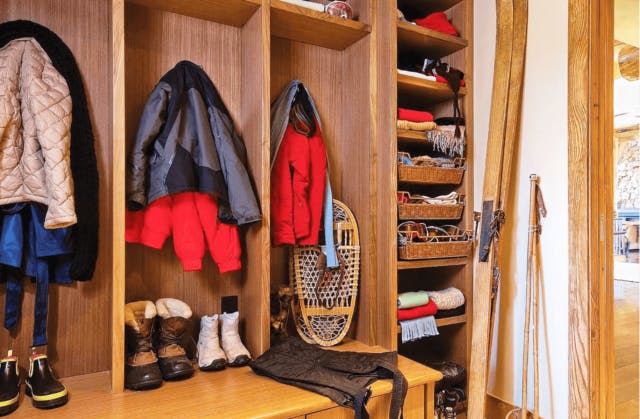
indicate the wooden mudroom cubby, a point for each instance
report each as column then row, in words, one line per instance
column 251, row 49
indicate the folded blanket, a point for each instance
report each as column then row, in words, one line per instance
column 441, row 314
column 418, row 328
column 414, row 115
column 444, row 139
column 416, row 74
column 416, row 126
column 421, row 311
column 437, row 21
column 447, row 299
column 412, row 299
column 449, row 199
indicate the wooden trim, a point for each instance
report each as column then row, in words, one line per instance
column 118, row 175
column 590, row 109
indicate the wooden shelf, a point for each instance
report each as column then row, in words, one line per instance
column 414, row 8
column 227, row 12
column 409, row 137
column 446, row 321
column 311, row 27
column 425, row 91
column 432, row 263
column 427, row 42
column 199, row 396
column 449, row 321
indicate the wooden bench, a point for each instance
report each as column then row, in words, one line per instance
column 234, row 393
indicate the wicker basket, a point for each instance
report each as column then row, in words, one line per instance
column 430, row 174
column 430, row 211
column 434, row 250
column 323, row 316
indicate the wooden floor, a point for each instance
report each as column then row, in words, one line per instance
column 627, row 348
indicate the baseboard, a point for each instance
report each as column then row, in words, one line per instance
column 498, row 409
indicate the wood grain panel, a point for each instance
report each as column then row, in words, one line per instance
column 255, row 41
column 79, row 314
column 590, row 201
column 155, row 42
column 343, row 105
column 383, row 116
column 118, row 175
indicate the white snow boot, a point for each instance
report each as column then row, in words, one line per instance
column 210, row 356
column 237, row 354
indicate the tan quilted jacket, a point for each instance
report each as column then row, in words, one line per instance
column 35, row 123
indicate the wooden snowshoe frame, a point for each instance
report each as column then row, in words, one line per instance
column 325, row 299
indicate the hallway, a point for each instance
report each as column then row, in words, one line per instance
column 626, row 347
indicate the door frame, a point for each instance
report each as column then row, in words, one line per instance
column 590, row 117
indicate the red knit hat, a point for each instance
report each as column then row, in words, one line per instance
column 438, row 22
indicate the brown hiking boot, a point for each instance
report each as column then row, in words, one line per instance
column 142, row 371
column 174, row 323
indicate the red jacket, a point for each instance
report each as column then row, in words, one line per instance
column 297, row 189
column 191, row 217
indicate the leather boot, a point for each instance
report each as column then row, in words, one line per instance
column 174, row 322
column 9, row 384
column 237, row 354
column 42, row 385
column 210, row 356
column 141, row 371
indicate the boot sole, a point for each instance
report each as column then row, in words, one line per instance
column 146, row 385
column 240, row 361
column 45, row 402
column 10, row 407
column 180, row 375
column 218, row 365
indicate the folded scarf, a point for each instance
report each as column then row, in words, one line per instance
column 444, row 139
column 437, row 22
column 416, row 126
column 412, row 299
column 414, row 115
column 415, row 329
column 447, row 299
column 421, row 311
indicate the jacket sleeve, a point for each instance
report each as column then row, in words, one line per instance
column 222, row 239
column 300, row 162
column 46, row 95
column 232, row 153
column 151, row 123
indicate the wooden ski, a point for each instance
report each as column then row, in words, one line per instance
column 504, row 123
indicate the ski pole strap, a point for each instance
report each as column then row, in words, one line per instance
column 492, row 222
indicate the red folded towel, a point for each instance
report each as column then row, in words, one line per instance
column 414, row 116
column 416, row 312
column 437, row 22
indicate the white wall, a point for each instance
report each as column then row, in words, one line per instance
column 543, row 150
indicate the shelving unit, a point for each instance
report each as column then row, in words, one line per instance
column 250, row 49
column 453, row 341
